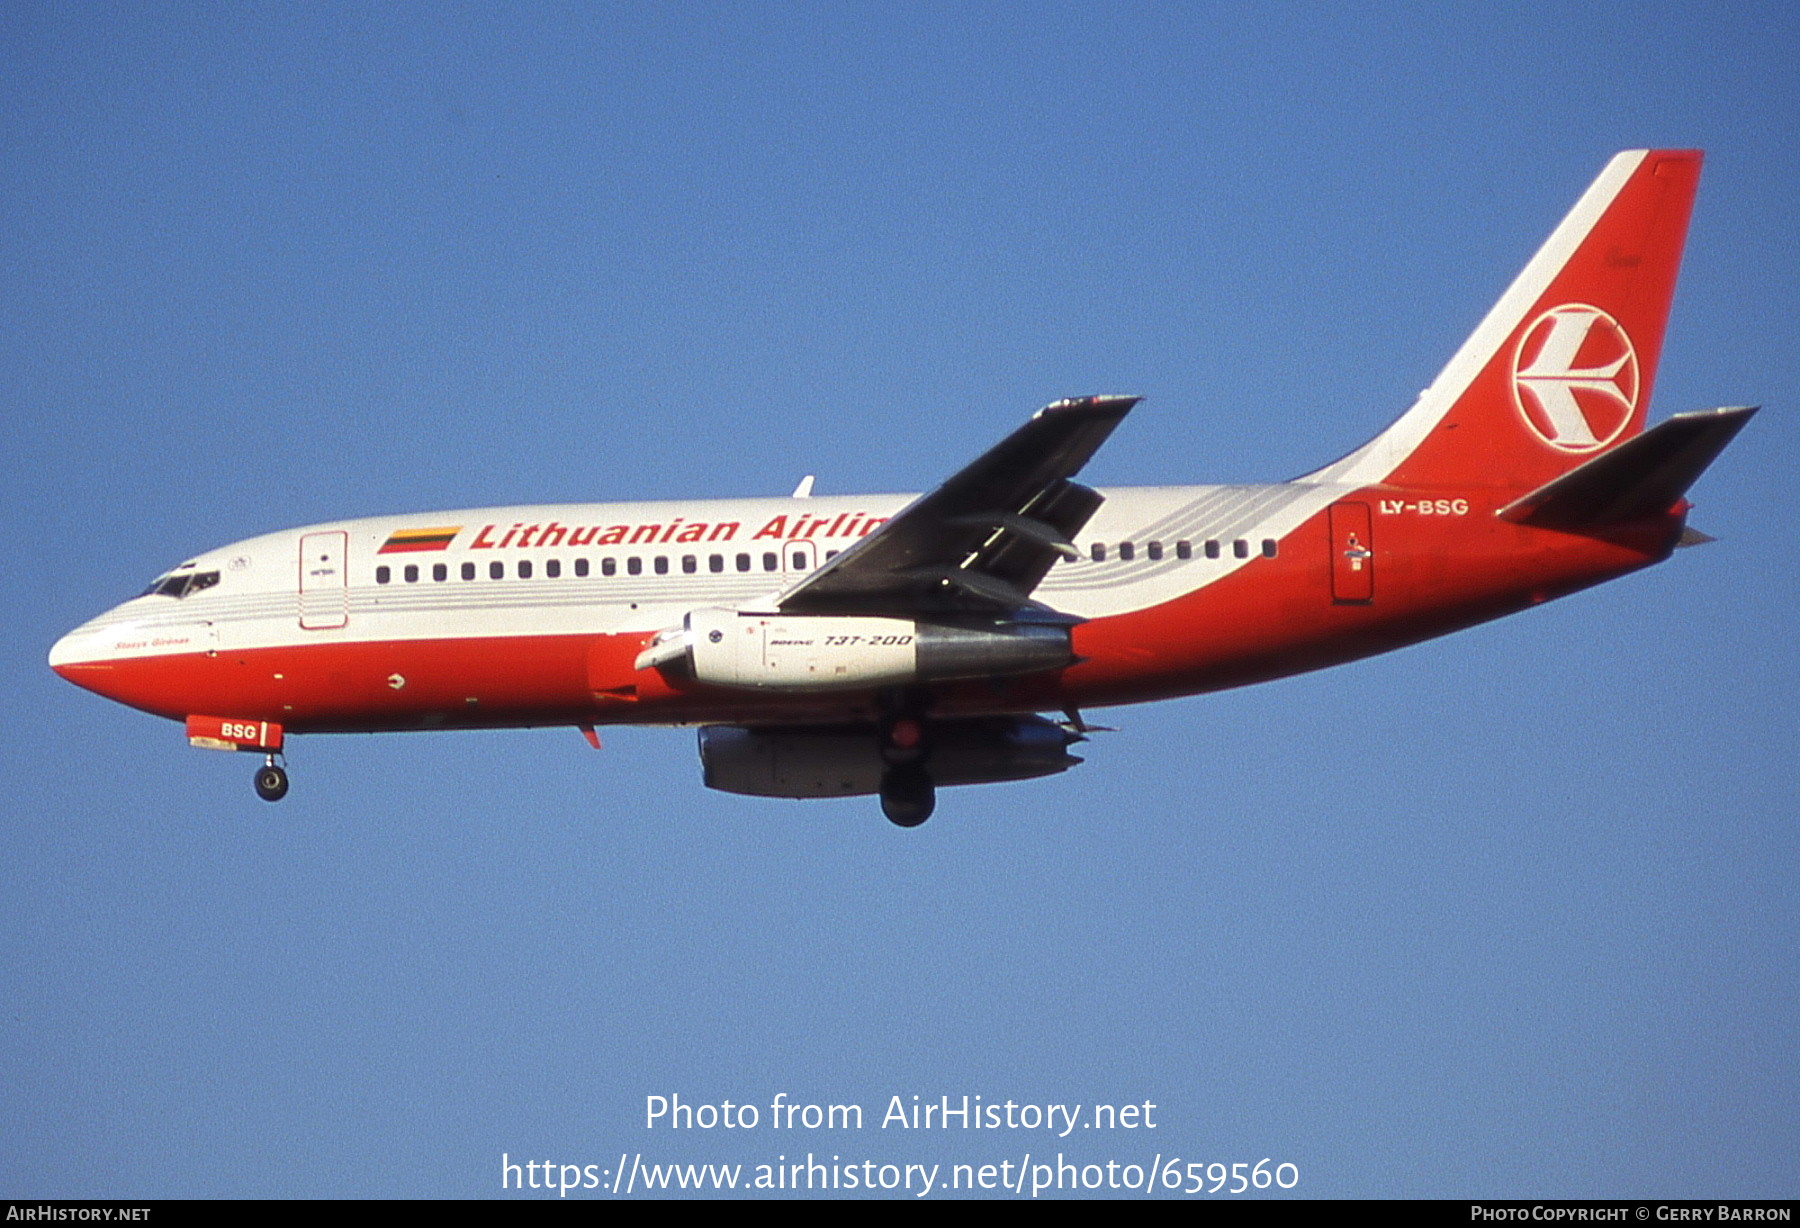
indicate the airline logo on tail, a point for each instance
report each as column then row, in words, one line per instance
column 1575, row 378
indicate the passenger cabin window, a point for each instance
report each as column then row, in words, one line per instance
column 799, row 561
column 634, row 565
column 496, row 571
column 468, row 571
column 440, row 572
column 1212, row 549
column 553, row 568
column 412, row 573
column 689, row 565
column 1154, row 550
column 1240, row 548
column 743, row 562
column 662, row 564
column 1098, row 551
column 715, row 563
column 1184, row 550
column 1269, row 547
column 581, row 567
column 524, row 569
column 1127, row 552
column 609, row 567
column 771, row 561
column 382, row 576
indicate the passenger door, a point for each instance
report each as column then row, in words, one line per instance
column 324, row 581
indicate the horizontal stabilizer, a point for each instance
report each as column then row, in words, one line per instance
column 1643, row 476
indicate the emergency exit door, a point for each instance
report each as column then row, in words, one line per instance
column 798, row 558
column 1352, row 554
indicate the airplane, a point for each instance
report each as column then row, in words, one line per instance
column 891, row 644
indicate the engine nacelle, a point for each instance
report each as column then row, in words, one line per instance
column 846, row 761
column 822, row 652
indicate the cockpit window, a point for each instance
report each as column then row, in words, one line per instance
column 181, row 584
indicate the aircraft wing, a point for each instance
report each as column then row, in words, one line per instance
column 982, row 541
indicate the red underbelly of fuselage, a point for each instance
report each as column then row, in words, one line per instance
column 1270, row 618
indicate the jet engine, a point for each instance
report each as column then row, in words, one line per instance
column 847, row 760
column 818, row 652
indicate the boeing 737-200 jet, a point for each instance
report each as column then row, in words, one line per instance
column 890, row 644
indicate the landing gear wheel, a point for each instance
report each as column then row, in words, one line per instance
column 907, row 796
column 271, row 783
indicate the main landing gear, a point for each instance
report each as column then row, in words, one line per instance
column 271, row 780
column 908, row 795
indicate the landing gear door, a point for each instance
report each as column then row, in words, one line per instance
column 324, row 581
column 1352, row 554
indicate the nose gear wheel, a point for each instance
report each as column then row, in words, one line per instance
column 271, row 781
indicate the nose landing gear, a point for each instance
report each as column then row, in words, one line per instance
column 271, row 780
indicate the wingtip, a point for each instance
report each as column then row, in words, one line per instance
column 1732, row 418
column 1105, row 404
column 1722, row 411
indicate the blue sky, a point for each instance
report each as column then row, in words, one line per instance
column 1510, row 913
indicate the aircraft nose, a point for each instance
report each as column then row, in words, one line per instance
column 69, row 650
column 118, row 659
column 80, row 657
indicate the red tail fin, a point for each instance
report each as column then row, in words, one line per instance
column 1562, row 366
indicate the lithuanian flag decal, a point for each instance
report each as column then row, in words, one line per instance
column 410, row 541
